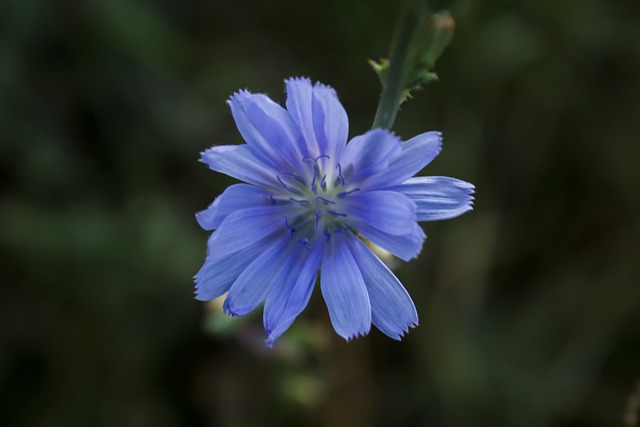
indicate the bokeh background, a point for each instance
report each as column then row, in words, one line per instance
column 529, row 305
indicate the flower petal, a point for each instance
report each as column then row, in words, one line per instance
column 392, row 310
column 292, row 295
column 330, row 120
column 299, row 105
column 235, row 197
column 344, row 291
column 256, row 282
column 238, row 162
column 216, row 277
column 320, row 115
column 388, row 211
column 369, row 154
column 438, row 197
column 269, row 130
column 416, row 153
column 245, row 227
column 405, row 247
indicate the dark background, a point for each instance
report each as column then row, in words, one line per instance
column 529, row 305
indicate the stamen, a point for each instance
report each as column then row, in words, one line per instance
column 318, row 219
column 325, row 201
column 300, row 201
column 287, row 226
column 305, row 243
column 315, row 159
column 316, row 172
column 326, row 233
column 341, row 229
column 313, row 183
column 336, row 214
column 346, row 193
column 340, row 177
column 290, row 189
column 297, row 177
column 323, row 183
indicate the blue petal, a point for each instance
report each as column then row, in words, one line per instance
column 416, row 153
column 235, row 197
column 388, row 211
column 216, row 277
column 344, row 291
column 245, row 227
column 320, row 115
column 292, row 294
column 392, row 310
column 299, row 104
column 405, row 247
column 330, row 120
column 269, row 130
column 256, row 282
column 438, row 197
column 369, row 154
column 238, row 162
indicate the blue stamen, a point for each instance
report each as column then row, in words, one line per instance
column 336, row 214
column 315, row 159
column 323, row 183
column 346, row 193
column 290, row 189
column 304, row 243
column 300, row 201
column 325, row 201
column 318, row 219
column 340, row 175
column 326, row 233
column 316, row 170
column 313, row 183
column 287, row 226
column 341, row 229
column 297, row 177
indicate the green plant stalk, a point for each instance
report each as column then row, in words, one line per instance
column 395, row 82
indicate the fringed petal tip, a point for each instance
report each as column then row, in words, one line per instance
column 204, row 154
column 272, row 336
column 399, row 335
column 239, row 95
column 297, row 79
column 307, row 81
column 356, row 334
column 243, row 97
column 201, row 298
column 199, row 294
column 471, row 190
column 203, row 220
column 440, row 140
column 201, row 291
column 420, row 235
column 228, row 310
column 322, row 86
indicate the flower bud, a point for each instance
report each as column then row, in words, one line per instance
column 432, row 38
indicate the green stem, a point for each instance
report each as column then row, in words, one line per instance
column 394, row 84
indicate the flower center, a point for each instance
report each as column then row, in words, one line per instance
column 317, row 195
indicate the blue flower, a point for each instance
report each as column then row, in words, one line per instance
column 308, row 200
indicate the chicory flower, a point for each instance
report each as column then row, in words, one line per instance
column 308, row 202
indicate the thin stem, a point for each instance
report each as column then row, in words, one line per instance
column 394, row 84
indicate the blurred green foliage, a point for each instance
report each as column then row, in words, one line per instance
column 530, row 305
